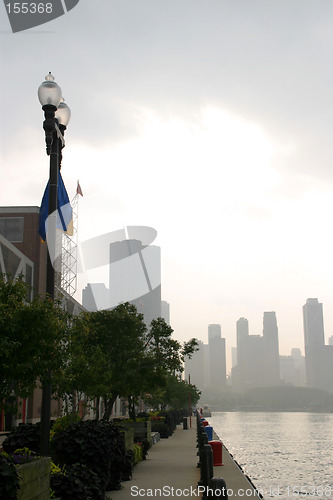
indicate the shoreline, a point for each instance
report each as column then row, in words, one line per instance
column 238, row 483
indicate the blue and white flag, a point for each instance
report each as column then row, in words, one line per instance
column 64, row 212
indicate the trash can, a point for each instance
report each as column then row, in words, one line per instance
column 185, row 424
column 217, row 452
column 209, row 432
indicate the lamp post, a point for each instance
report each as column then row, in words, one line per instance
column 57, row 116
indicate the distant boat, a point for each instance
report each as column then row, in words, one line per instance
column 206, row 411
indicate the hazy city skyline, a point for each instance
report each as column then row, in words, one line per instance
column 208, row 121
column 257, row 362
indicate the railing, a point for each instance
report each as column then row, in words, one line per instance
column 212, row 487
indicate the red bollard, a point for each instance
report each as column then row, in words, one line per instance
column 217, row 452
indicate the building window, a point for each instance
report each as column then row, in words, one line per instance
column 10, row 260
column 28, row 274
column 12, row 228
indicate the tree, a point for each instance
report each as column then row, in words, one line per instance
column 105, row 348
column 177, row 393
column 111, row 354
column 32, row 339
column 180, row 392
column 168, row 356
column 168, row 352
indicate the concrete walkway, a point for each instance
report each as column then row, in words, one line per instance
column 170, row 469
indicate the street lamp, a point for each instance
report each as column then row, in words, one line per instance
column 57, row 115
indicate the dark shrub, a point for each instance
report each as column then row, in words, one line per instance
column 126, row 467
column 143, row 414
column 162, row 428
column 9, row 480
column 23, row 436
column 172, row 417
column 96, row 444
column 77, row 482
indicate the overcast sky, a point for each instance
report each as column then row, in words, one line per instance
column 208, row 120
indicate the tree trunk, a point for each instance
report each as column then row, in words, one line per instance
column 97, row 409
column 131, row 408
column 74, row 402
column 108, row 404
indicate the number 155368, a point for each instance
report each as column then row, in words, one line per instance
column 29, row 8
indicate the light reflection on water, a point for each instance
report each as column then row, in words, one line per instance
column 283, row 453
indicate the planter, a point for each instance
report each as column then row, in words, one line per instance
column 129, row 439
column 34, row 479
column 142, row 430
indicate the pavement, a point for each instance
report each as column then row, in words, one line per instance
column 170, row 470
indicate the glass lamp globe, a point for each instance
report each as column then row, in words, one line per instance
column 63, row 113
column 49, row 92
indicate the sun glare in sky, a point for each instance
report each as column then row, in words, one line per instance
column 212, row 188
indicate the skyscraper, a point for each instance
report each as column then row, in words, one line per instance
column 271, row 349
column 257, row 356
column 217, row 356
column 95, row 296
column 318, row 357
column 313, row 321
column 242, row 334
column 135, row 277
column 134, row 270
column 165, row 311
column 292, row 369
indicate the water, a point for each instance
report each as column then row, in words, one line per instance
column 287, row 455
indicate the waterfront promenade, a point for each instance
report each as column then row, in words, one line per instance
column 170, row 470
column 171, row 463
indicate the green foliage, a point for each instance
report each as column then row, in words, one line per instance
column 98, row 445
column 23, row 436
column 126, row 466
column 161, row 427
column 103, row 354
column 62, row 422
column 163, row 347
column 77, row 482
column 32, row 339
column 55, row 469
column 9, row 479
column 176, row 394
column 25, row 451
column 169, row 419
column 145, row 446
column 167, row 355
column 137, row 453
column 104, row 348
column 22, row 456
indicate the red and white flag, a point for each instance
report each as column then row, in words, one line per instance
column 78, row 189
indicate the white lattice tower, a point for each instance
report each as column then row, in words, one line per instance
column 68, row 281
